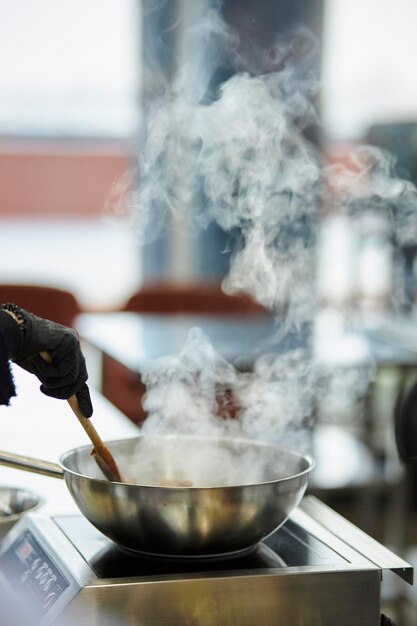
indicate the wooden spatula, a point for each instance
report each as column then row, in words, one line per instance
column 101, row 453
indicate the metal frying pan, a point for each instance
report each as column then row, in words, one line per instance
column 241, row 491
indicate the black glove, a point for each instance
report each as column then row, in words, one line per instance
column 66, row 374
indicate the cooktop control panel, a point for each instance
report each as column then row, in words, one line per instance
column 29, row 567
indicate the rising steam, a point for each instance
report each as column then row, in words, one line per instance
column 197, row 392
column 240, row 161
column 239, row 157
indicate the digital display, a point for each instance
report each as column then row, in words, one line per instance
column 32, row 574
column 24, row 551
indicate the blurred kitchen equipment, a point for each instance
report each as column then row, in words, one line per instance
column 216, row 516
column 400, row 140
column 100, row 452
column 374, row 260
column 406, row 425
column 14, row 503
column 317, row 568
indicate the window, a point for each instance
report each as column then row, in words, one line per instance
column 370, row 48
column 69, row 67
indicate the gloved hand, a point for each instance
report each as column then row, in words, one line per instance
column 28, row 335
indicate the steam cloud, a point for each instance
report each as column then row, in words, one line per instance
column 196, row 391
column 241, row 159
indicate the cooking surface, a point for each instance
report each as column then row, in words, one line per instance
column 291, row 546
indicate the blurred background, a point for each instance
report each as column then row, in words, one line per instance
column 69, row 122
column 78, row 85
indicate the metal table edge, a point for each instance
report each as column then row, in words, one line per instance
column 354, row 537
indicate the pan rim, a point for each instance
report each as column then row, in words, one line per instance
column 309, row 460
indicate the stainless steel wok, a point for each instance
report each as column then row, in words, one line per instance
column 240, row 492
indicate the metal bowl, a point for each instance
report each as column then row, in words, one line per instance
column 14, row 503
column 240, row 492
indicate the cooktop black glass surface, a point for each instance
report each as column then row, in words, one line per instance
column 290, row 546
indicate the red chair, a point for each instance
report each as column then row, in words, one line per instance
column 51, row 303
column 191, row 298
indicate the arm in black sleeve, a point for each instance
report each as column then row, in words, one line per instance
column 12, row 334
column 7, row 388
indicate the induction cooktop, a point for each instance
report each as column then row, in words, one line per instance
column 63, row 568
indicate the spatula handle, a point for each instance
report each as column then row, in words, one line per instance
column 100, row 449
column 86, row 423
